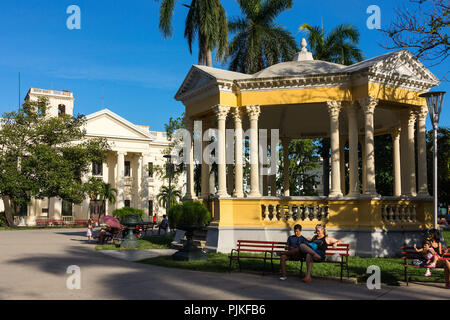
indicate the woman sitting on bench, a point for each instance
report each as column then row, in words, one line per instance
column 315, row 249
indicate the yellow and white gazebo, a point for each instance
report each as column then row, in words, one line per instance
column 307, row 98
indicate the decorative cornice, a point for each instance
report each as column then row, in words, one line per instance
column 395, row 133
column 368, row 104
column 237, row 114
column 221, row 111
column 334, row 108
column 253, row 111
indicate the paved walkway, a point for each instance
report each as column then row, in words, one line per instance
column 33, row 265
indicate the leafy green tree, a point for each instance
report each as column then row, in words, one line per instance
column 303, row 160
column 42, row 156
column 384, row 179
column 206, row 20
column 340, row 45
column 258, row 40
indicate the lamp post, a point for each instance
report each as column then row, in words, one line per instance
column 434, row 103
column 169, row 159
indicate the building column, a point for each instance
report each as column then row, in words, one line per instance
column 120, row 179
column 412, row 153
column 238, row 147
column 144, row 184
column 139, row 170
column 404, row 168
column 396, row 161
column 285, row 145
column 205, row 170
column 56, row 208
column 342, row 141
column 368, row 106
column 190, row 195
column 272, row 178
column 253, row 112
column 334, row 108
column 363, row 162
column 221, row 113
column 422, row 152
column 352, row 115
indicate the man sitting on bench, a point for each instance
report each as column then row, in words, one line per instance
column 293, row 249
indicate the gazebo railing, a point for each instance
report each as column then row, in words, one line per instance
column 275, row 211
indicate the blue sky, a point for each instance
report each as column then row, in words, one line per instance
column 120, row 51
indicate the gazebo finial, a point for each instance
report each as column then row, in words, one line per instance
column 303, row 55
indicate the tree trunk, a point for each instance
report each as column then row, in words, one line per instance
column 8, row 212
column 209, row 58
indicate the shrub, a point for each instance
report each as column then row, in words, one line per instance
column 3, row 219
column 189, row 213
column 125, row 211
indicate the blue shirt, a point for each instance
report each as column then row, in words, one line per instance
column 295, row 242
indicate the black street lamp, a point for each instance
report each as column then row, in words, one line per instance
column 434, row 103
column 169, row 159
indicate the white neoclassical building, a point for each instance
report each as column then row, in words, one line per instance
column 134, row 149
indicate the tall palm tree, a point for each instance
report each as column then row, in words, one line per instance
column 340, row 45
column 163, row 196
column 206, row 20
column 258, row 41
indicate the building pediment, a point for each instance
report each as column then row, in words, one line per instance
column 108, row 124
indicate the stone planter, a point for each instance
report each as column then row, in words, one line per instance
column 190, row 252
column 130, row 221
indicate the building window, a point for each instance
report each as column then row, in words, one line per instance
column 97, row 168
column 66, row 208
column 127, row 168
column 150, row 169
column 61, row 110
column 150, row 207
column 127, row 203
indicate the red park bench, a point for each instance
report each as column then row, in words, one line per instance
column 248, row 249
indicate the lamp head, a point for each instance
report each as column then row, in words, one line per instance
column 435, row 100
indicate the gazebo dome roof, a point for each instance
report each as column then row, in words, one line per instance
column 299, row 68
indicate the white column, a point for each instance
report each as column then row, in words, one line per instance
column 334, row 108
column 352, row 113
column 238, row 147
column 205, row 171
column 342, row 141
column 285, row 145
column 412, row 154
column 362, row 141
column 120, row 179
column 253, row 112
column 422, row 152
column 404, row 153
column 190, row 195
column 368, row 106
column 273, row 175
column 396, row 161
column 56, row 204
column 144, row 183
column 221, row 113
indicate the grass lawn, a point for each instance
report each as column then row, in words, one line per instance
column 392, row 270
column 147, row 242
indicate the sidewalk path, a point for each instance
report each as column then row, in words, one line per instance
column 33, row 265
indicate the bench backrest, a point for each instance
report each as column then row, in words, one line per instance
column 260, row 246
column 410, row 253
column 276, row 246
column 341, row 249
